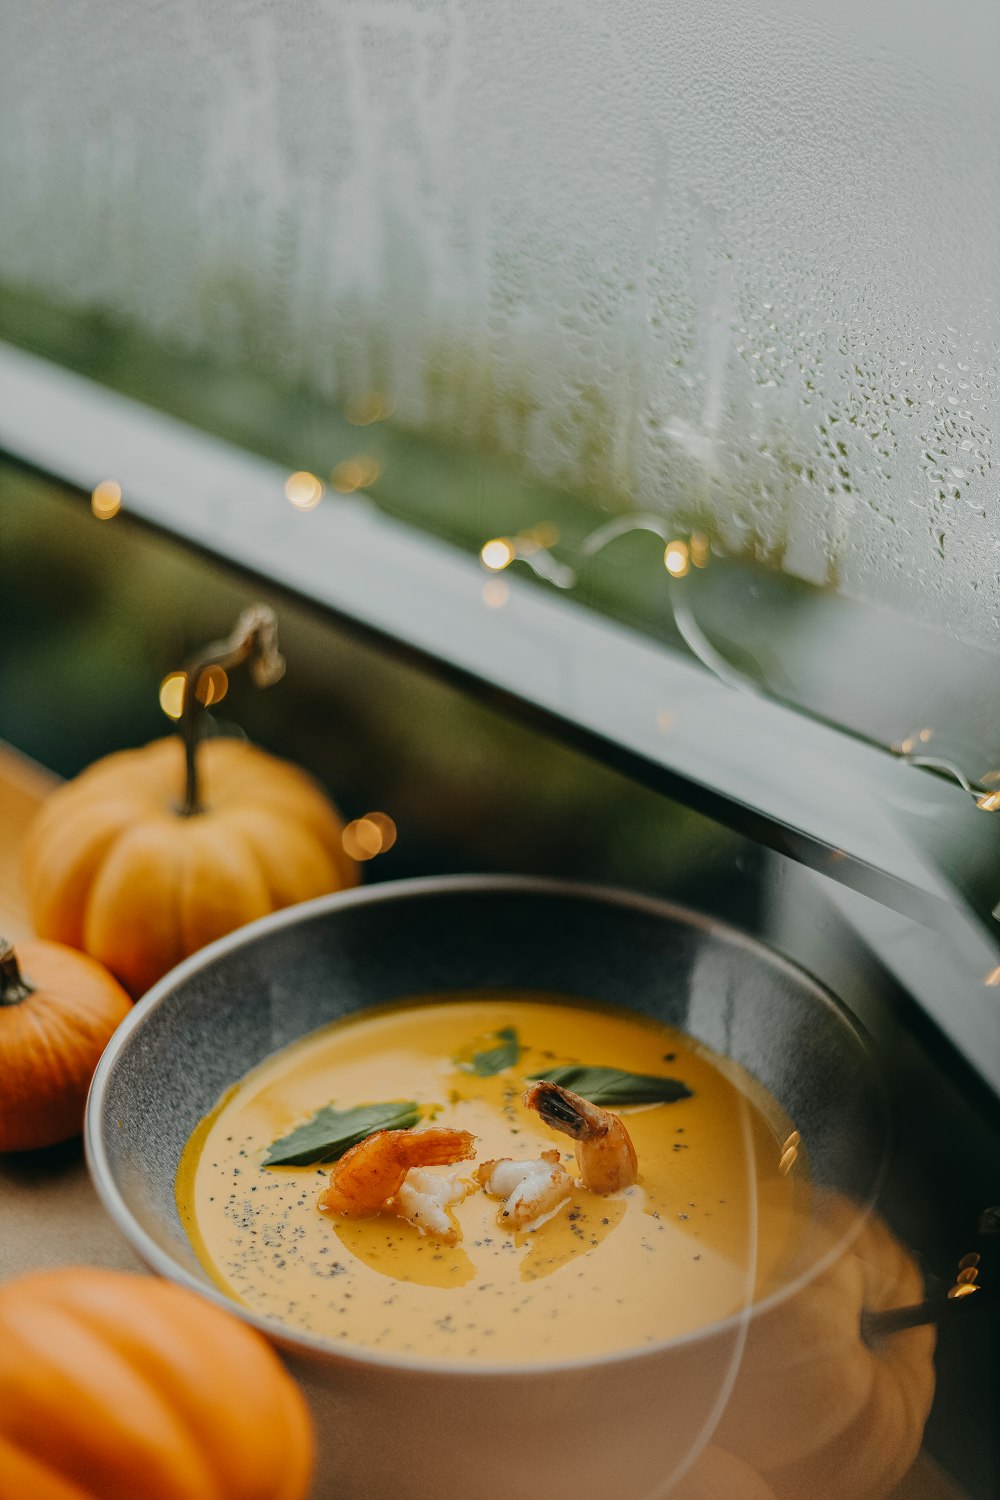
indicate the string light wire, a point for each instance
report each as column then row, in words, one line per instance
column 502, row 552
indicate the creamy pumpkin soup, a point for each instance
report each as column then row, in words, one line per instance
column 499, row 1231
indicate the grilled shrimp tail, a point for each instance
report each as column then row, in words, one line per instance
column 562, row 1110
column 604, row 1150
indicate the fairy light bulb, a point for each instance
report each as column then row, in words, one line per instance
column 106, row 499
column 365, row 837
column 172, row 694
column 676, row 559
column 213, row 685
column 304, row 490
column 497, row 554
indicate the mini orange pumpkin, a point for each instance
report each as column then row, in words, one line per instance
column 112, row 867
column 150, row 854
column 55, row 1021
column 114, row 1386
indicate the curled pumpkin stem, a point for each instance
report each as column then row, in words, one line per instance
column 964, row 1289
column 13, row 986
column 254, row 640
column 877, row 1325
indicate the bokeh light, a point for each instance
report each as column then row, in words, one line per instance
column 106, row 499
column 355, row 473
column 497, row 554
column 675, row 559
column 373, row 834
column 172, row 694
column 213, row 685
column 544, row 534
column 304, row 490
column 372, row 406
column 495, row 593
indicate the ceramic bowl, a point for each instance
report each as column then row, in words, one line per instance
column 391, row 1428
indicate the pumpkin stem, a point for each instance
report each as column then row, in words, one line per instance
column 964, row 1289
column 875, row 1325
column 13, row 986
column 254, row 640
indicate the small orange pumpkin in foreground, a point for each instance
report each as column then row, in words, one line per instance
column 114, row 1386
column 152, row 853
column 56, row 1017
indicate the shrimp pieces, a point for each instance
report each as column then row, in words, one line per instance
column 604, row 1150
column 532, row 1190
column 367, row 1177
column 424, row 1200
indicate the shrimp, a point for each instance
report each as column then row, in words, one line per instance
column 604, row 1150
column 424, row 1199
column 533, row 1190
column 368, row 1177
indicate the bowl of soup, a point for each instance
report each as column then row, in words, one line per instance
column 476, row 1348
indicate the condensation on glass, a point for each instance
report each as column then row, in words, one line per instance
column 734, row 263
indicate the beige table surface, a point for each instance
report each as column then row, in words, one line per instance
column 49, row 1212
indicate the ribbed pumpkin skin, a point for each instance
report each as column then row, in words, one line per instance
column 111, row 867
column 50, row 1044
column 718, row 1475
column 818, row 1412
column 120, row 1387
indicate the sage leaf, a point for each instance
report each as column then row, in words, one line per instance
column 615, row 1086
column 504, row 1052
column 331, row 1132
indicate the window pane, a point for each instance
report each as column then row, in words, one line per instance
column 734, row 268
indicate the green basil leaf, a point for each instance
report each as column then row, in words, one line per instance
column 504, row 1052
column 331, row 1132
column 614, row 1086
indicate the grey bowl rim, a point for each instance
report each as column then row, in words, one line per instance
column 330, row 1352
